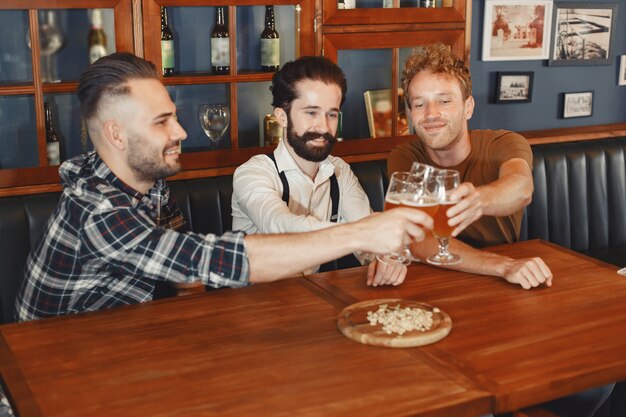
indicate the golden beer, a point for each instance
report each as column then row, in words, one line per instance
column 427, row 204
column 391, row 202
column 442, row 229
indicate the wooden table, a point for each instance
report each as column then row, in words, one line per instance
column 266, row 350
column 523, row 346
column 275, row 350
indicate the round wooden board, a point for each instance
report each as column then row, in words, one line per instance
column 353, row 323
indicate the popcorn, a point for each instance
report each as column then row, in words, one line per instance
column 401, row 320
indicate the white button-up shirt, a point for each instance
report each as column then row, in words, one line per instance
column 257, row 204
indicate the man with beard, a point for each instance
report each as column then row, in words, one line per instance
column 116, row 232
column 291, row 190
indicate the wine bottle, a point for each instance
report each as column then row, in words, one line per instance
column 96, row 38
column 53, row 146
column 270, row 43
column 167, row 45
column 220, row 44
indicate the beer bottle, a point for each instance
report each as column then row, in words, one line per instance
column 96, row 37
column 270, row 43
column 167, row 45
column 220, row 44
column 53, row 146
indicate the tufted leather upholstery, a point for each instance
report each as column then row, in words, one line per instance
column 205, row 202
column 580, row 198
column 579, row 202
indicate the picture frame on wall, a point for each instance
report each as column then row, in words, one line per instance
column 583, row 33
column 621, row 79
column 577, row 104
column 514, row 87
column 516, row 30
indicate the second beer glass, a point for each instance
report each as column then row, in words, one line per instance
column 442, row 184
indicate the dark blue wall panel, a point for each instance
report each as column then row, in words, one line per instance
column 550, row 82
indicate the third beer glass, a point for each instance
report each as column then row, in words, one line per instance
column 442, row 184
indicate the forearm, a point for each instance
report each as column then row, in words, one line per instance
column 506, row 195
column 272, row 257
column 474, row 261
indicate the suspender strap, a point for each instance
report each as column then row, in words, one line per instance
column 283, row 179
column 334, row 190
column 334, row 198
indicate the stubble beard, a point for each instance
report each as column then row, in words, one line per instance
column 147, row 162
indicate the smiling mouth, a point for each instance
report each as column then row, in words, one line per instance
column 173, row 151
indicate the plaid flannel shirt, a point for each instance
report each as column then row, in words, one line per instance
column 106, row 245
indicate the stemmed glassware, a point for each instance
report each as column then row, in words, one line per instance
column 401, row 186
column 441, row 185
column 214, row 119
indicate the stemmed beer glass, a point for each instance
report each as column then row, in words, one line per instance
column 401, row 186
column 442, row 184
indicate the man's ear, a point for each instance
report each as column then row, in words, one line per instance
column 114, row 135
column 281, row 115
column 469, row 107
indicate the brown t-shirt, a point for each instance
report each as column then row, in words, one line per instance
column 490, row 149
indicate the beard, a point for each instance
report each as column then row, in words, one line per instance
column 147, row 161
column 301, row 147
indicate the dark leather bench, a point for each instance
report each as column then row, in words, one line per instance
column 580, row 198
column 579, row 202
column 205, row 202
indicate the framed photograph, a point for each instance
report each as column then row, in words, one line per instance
column 577, row 104
column 516, row 30
column 514, row 87
column 621, row 79
column 583, row 33
column 379, row 113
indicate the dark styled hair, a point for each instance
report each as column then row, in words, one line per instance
column 108, row 76
column 438, row 59
column 315, row 68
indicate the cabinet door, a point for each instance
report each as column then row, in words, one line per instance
column 359, row 12
column 244, row 88
column 373, row 66
column 44, row 50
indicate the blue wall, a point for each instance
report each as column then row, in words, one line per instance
column 550, row 82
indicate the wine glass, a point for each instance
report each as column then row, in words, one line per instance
column 401, row 185
column 214, row 119
column 50, row 41
column 442, row 184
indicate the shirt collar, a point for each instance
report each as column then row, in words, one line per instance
column 285, row 162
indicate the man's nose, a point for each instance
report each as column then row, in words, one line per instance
column 321, row 124
column 178, row 133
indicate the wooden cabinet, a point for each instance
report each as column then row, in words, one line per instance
column 369, row 42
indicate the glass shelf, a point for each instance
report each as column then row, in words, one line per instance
column 63, row 37
column 188, row 99
column 18, row 140
column 15, row 57
column 255, row 101
column 68, row 124
column 250, row 24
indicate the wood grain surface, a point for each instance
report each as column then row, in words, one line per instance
column 266, row 350
column 354, row 324
column 525, row 346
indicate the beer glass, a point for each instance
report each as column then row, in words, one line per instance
column 442, row 184
column 401, row 185
column 422, row 171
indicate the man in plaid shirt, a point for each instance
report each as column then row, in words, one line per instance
column 116, row 231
